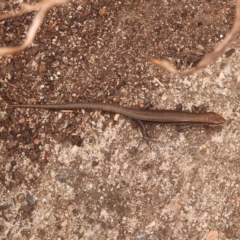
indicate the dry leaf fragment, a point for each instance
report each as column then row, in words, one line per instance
column 103, row 11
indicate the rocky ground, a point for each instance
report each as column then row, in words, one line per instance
column 89, row 174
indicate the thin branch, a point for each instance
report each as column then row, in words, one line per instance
column 43, row 7
column 208, row 58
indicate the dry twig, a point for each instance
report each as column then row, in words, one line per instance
column 42, row 7
column 208, row 58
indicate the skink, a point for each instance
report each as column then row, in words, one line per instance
column 157, row 116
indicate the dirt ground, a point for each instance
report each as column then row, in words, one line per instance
column 89, row 174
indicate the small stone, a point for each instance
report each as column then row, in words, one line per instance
column 199, row 46
column 204, row 225
column 116, row 117
column 22, row 120
column 212, row 235
column 36, row 141
column 164, row 97
column 125, row 166
column 9, row 76
column 96, row 147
